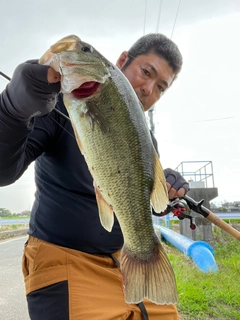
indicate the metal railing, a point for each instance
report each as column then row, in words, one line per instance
column 197, row 171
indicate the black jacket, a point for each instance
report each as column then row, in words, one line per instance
column 65, row 210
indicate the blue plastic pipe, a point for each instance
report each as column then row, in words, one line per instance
column 201, row 252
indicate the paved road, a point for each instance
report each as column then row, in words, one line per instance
column 12, row 296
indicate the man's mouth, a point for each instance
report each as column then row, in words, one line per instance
column 86, row 89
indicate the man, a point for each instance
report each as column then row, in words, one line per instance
column 68, row 263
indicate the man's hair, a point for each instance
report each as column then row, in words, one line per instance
column 159, row 44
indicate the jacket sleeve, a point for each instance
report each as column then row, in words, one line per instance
column 27, row 95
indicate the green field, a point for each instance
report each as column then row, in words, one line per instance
column 209, row 295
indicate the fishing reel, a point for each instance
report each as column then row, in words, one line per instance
column 180, row 209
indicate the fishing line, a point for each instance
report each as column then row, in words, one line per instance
column 62, row 114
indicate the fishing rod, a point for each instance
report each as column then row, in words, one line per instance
column 5, row 76
column 182, row 207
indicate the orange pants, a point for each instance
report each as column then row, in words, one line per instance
column 94, row 285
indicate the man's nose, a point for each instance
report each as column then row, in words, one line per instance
column 147, row 88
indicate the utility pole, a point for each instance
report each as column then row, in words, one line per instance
column 150, row 117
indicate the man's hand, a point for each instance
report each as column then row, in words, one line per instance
column 32, row 91
column 177, row 186
column 53, row 76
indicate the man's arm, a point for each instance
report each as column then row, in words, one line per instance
column 29, row 94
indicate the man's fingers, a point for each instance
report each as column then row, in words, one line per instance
column 180, row 193
column 168, row 186
column 53, row 76
column 173, row 193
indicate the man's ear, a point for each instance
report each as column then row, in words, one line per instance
column 122, row 59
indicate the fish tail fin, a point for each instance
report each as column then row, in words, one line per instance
column 152, row 278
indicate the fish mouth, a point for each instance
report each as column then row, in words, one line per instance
column 86, row 89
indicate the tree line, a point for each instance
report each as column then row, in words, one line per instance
column 5, row 213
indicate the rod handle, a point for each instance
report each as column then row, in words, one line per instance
column 223, row 225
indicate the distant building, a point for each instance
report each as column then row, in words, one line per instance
column 232, row 206
column 24, row 213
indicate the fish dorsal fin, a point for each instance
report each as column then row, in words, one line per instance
column 159, row 195
column 105, row 211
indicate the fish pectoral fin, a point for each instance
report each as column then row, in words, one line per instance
column 105, row 211
column 96, row 117
column 159, row 195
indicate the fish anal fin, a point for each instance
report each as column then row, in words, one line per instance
column 151, row 279
column 105, row 211
column 159, row 195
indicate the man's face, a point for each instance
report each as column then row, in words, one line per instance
column 149, row 75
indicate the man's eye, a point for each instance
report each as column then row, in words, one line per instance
column 147, row 73
column 160, row 88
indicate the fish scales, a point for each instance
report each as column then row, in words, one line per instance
column 112, row 134
column 113, row 159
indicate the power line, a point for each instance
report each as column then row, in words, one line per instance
column 145, row 17
column 215, row 119
column 159, row 15
column 205, row 120
column 179, row 3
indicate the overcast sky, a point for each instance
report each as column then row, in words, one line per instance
column 196, row 120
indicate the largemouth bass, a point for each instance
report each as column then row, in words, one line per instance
column 112, row 134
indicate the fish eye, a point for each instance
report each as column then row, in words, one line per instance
column 87, row 49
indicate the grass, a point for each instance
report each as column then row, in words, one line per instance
column 15, row 218
column 14, row 226
column 209, row 295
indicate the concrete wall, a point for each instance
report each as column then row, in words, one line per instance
column 13, row 233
